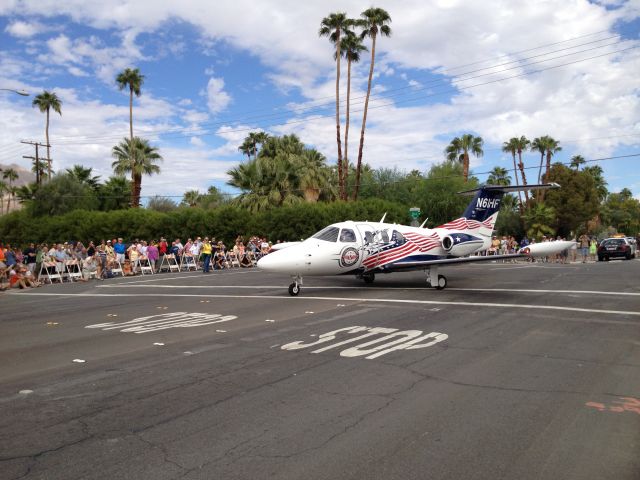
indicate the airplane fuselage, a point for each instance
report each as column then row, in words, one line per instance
column 361, row 247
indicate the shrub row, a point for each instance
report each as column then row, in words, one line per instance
column 225, row 222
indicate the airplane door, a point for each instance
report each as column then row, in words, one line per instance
column 367, row 238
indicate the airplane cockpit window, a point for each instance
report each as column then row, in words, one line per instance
column 397, row 237
column 368, row 237
column 329, row 234
column 347, row 235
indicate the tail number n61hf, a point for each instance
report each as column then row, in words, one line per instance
column 388, row 340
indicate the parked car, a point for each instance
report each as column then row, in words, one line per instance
column 616, row 248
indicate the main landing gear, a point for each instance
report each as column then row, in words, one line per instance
column 294, row 288
column 368, row 277
column 439, row 282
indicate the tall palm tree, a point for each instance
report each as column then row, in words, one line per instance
column 11, row 175
column 374, row 22
column 499, row 176
column 191, row 197
column 512, row 147
column 45, row 102
column 352, row 46
column 145, row 157
column 84, row 176
column 250, row 144
column 333, row 27
column 552, row 147
column 521, row 144
column 597, row 174
column 133, row 79
column 459, row 149
column 539, row 144
column 576, row 161
column 4, row 188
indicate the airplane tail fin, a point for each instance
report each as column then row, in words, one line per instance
column 483, row 210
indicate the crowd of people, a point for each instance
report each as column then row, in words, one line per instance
column 74, row 261
column 585, row 247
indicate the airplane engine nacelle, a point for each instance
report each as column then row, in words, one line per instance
column 459, row 245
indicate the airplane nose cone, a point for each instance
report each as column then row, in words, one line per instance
column 281, row 261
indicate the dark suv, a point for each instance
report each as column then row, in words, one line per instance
column 615, row 248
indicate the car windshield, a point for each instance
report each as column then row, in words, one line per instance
column 614, row 242
column 328, row 234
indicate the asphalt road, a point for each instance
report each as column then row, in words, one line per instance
column 515, row 371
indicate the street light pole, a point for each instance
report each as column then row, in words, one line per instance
column 19, row 92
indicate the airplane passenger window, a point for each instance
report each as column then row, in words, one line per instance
column 385, row 236
column 347, row 235
column 329, row 234
column 368, row 237
column 397, row 237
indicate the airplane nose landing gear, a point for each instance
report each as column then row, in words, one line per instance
column 294, row 288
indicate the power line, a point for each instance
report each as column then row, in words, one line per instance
column 189, row 131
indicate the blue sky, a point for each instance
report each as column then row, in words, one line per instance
column 214, row 73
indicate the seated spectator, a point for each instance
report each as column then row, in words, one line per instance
column 89, row 268
column 10, row 257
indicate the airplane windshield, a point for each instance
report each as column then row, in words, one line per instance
column 329, row 234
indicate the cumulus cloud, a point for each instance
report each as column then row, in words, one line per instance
column 22, row 29
column 217, row 98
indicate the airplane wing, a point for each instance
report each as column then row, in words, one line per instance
column 405, row 266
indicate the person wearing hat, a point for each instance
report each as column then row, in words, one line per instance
column 109, row 249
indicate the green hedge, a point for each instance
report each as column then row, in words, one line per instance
column 226, row 222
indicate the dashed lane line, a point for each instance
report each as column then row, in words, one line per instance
column 281, row 298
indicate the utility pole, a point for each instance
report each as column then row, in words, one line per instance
column 37, row 159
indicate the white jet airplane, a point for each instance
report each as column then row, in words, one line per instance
column 367, row 248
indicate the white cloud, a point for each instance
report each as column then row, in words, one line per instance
column 22, row 29
column 217, row 98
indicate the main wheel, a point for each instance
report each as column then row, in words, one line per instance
column 369, row 277
column 442, row 282
column 294, row 289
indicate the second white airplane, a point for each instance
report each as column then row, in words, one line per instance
column 366, row 248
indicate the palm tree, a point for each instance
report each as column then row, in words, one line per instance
column 84, row 176
column 145, row 157
column 539, row 219
column 597, row 174
column 45, row 102
column 352, row 46
column 333, row 27
column 374, row 21
column 539, row 144
column 512, row 147
column 576, row 161
column 12, row 175
column 4, row 188
column 552, row 146
column 191, row 198
column 499, row 176
column 39, row 168
column 459, row 150
column 250, row 144
column 133, row 79
column 522, row 143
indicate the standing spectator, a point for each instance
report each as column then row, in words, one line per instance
column 206, row 252
column 593, row 248
column 10, row 257
column 584, row 246
column 29, row 256
column 120, row 248
column 153, row 256
column 91, row 249
column 60, row 256
column 163, row 249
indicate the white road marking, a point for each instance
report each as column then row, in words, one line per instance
column 25, row 392
column 281, row 298
column 78, row 360
column 195, row 274
column 339, row 287
column 165, row 321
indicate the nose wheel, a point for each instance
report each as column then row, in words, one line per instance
column 294, row 288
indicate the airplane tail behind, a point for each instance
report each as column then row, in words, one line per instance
column 482, row 213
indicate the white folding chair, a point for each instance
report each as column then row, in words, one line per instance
column 117, row 268
column 145, row 266
column 172, row 263
column 188, row 262
column 49, row 272
column 73, row 271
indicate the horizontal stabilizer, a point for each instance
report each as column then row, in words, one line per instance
column 510, row 188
